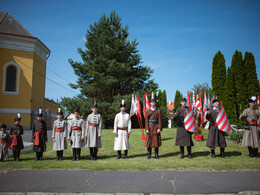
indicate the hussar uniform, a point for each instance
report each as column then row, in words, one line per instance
column 59, row 132
column 122, row 126
column 251, row 134
column 76, row 133
column 4, row 140
column 183, row 137
column 93, row 133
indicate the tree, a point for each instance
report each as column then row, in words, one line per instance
column 218, row 75
column 159, row 98
column 201, row 87
column 111, row 67
column 177, row 100
column 251, row 82
column 230, row 97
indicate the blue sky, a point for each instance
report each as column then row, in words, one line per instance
column 178, row 39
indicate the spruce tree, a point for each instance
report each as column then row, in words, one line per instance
column 218, row 75
column 159, row 100
column 251, row 82
column 164, row 98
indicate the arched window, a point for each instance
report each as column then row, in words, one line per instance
column 11, row 77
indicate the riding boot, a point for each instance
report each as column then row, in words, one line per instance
column 18, row 155
column 58, row 155
column 156, row 151
column 74, row 154
column 189, row 152
column 61, row 155
column 14, row 155
column 78, row 154
column 213, row 153
column 222, row 150
column 40, row 154
column 250, row 150
column 149, row 151
column 118, row 154
column 126, row 156
column 37, row 156
column 255, row 152
column 91, row 153
column 95, row 153
column 182, row 152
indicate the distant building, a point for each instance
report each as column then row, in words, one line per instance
column 22, row 74
column 170, row 106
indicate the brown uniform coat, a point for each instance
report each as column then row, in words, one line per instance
column 153, row 139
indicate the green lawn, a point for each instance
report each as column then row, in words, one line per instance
column 236, row 157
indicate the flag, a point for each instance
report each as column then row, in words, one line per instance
column 144, row 104
column 189, row 122
column 188, row 100
column 201, row 112
column 208, row 100
column 132, row 109
column 148, row 106
column 205, row 106
column 211, row 101
column 222, row 120
column 138, row 106
column 258, row 99
column 193, row 101
column 198, row 104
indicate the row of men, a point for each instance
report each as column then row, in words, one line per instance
column 91, row 130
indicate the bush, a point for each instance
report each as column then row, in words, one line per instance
column 236, row 136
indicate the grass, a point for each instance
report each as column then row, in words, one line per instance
column 236, row 157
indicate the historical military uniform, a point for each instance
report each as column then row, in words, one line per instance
column 93, row 134
column 4, row 140
column 16, row 141
column 183, row 137
column 122, row 126
column 251, row 135
column 59, row 132
column 39, row 136
column 216, row 138
column 76, row 133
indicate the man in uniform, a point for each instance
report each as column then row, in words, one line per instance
column 59, row 133
column 122, row 130
column 76, row 135
column 39, row 135
column 216, row 138
column 4, row 140
column 251, row 134
column 183, row 137
column 93, row 132
column 153, row 126
column 16, row 141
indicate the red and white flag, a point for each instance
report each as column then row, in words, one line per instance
column 193, row 101
column 132, row 110
column 258, row 122
column 198, row 104
column 189, row 122
column 137, row 106
column 222, row 120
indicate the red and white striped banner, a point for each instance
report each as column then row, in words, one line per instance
column 222, row 120
column 258, row 122
column 189, row 122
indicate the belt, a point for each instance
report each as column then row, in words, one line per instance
column 92, row 124
column 153, row 122
column 214, row 124
column 36, row 137
column 59, row 130
column 252, row 122
column 13, row 141
column 3, row 140
column 122, row 128
column 76, row 128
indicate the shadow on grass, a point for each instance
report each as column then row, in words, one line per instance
column 199, row 154
column 170, row 154
column 165, row 139
column 233, row 153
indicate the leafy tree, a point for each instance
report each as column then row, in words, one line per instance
column 110, row 68
column 177, row 100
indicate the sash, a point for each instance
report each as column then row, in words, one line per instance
column 92, row 124
column 13, row 141
column 76, row 128
column 36, row 137
column 59, row 130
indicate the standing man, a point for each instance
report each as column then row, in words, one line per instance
column 93, row 132
column 16, row 141
column 4, row 140
column 122, row 130
column 76, row 135
column 216, row 138
column 39, row 135
column 153, row 126
column 183, row 137
column 59, row 133
column 251, row 134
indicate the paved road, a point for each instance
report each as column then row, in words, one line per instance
column 168, row 182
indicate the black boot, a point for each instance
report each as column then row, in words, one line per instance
column 91, row 153
column 250, row 150
column 61, row 155
column 78, row 154
column 222, row 150
column 18, row 155
column 149, row 152
column 14, row 155
column 41, row 153
column 58, row 155
column 255, row 152
column 182, row 152
column 95, row 153
column 74, row 154
column 126, row 156
column 189, row 152
column 213, row 153
column 37, row 156
column 156, row 151
column 118, row 154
